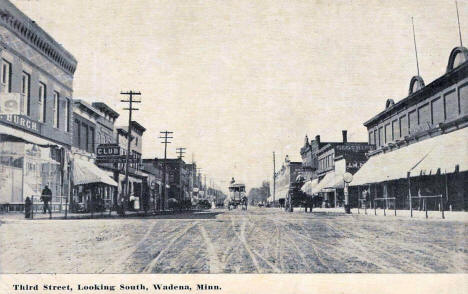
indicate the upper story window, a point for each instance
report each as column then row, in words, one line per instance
column 6, row 76
column 42, row 101
column 136, row 141
column 25, row 92
column 56, row 109
column 66, row 113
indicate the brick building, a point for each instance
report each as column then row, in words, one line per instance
column 421, row 142
column 36, row 86
column 334, row 160
column 284, row 180
column 137, row 178
column 93, row 188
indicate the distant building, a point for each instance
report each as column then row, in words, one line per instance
column 334, row 160
column 36, row 87
column 137, row 178
column 179, row 179
column 285, row 178
column 154, row 168
column 105, row 129
column 310, row 163
column 421, row 143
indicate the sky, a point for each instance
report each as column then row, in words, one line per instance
column 237, row 80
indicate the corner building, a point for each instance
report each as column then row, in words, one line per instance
column 421, row 144
column 35, row 142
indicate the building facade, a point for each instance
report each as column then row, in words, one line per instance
column 93, row 188
column 136, row 178
column 284, row 180
column 334, row 160
column 421, row 142
column 155, row 170
column 36, row 87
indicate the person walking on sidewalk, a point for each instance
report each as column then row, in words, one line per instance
column 46, row 196
column 27, row 207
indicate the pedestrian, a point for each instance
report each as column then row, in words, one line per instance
column 46, row 196
column 27, row 207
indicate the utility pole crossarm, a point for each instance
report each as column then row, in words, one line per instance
column 165, row 141
column 130, row 109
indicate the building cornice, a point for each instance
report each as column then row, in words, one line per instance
column 451, row 77
column 28, row 31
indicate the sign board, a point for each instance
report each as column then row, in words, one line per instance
column 22, row 122
column 108, row 150
column 347, row 177
column 10, row 103
column 117, row 159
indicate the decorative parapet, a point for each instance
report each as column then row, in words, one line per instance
column 28, row 31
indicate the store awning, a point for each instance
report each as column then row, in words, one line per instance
column 310, row 187
column 332, row 180
column 443, row 152
column 9, row 133
column 85, row 172
column 447, row 152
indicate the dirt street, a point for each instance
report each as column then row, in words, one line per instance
column 261, row 240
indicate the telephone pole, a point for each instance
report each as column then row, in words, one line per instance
column 166, row 136
column 130, row 109
column 181, row 152
column 274, row 178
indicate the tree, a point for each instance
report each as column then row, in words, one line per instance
column 259, row 194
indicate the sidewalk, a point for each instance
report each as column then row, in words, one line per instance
column 461, row 216
column 97, row 215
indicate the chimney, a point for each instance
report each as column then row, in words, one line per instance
column 317, row 139
column 345, row 136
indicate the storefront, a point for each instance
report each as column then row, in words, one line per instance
column 93, row 188
column 436, row 166
column 27, row 164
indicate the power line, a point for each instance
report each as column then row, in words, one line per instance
column 166, row 136
column 130, row 109
column 181, row 151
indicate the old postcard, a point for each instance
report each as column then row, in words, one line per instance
column 176, row 146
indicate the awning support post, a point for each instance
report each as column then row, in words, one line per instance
column 409, row 195
column 359, row 199
column 442, row 205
